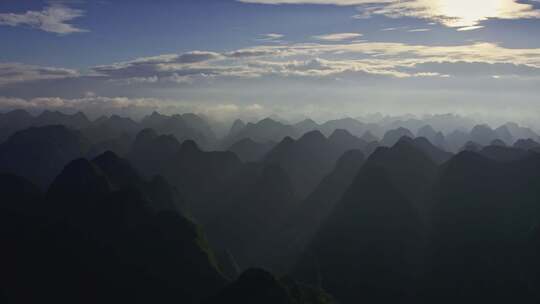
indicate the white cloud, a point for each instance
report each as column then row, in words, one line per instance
column 271, row 37
column 464, row 14
column 17, row 72
column 53, row 18
column 347, row 60
column 320, row 2
column 461, row 14
column 96, row 106
column 338, row 36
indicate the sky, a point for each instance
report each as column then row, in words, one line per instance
column 291, row 58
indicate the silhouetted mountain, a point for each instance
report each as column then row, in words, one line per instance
column 121, row 146
column 18, row 120
column 302, row 225
column 369, row 137
column 471, row 146
column 436, row 154
column 183, row 127
column 503, row 153
column 393, row 136
column 483, row 135
column 39, row 154
column 110, row 128
column 498, row 143
column 75, row 121
column 12, row 122
column 482, row 223
column 527, row 144
column 519, row 132
column 369, row 249
column 311, row 157
column 259, row 286
column 236, row 127
column 248, row 222
column 103, row 211
column 266, row 130
column 410, row 169
column 306, row 126
column 504, row 134
column 456, row 140
column 434, row 137
column 249, row 151
column 97, row 244
column 151, row 153
column 353, row 126
column 201, row 176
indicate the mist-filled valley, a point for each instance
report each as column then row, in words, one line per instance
column 432, row 209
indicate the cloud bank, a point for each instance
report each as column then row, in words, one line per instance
column 54, row 18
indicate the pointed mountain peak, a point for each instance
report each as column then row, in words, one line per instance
column 341, row 134
column 237, row 126
column 405, row 140
column 190, row 146
column 18, row 113
column 268, row 121
column 314, row 136
column 472, row 146
column 369, row 137
column 146, row 135
column 81, row 179
column 351, row 158
column 498, row 143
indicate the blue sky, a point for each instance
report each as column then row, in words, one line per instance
column 321, row 58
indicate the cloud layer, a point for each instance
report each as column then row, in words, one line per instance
column 461, row 14
column 54, row 18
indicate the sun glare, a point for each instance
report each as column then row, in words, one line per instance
column 467, row 13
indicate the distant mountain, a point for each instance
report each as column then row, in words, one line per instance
column 75, row 121
column 436, row 154
column 259, row 286
column 504, row 134
column 18, row 120
column 121, row 175
column 301, row 226
column 306, row 126
column 201, row 176
column 471, row 146
column 436, row 138
column 369, row 137
column 503, row 153
column 236, row 127
column 183, row 127
column 410, row 169
column 527, row 144
column 94, row 232
column 250, row 151
column 110, row 128
column 353, row 126
column 40, row 153
column 483, row 216
column 308, row 159
column 120, row 145
column 266, row 130
column 483, row 135
column 392, row 137
column 12, row 122
column 369, row 249
column 519, row 132
column 456, row 140
column 498, row 143
column 247, row 222
column 151, row 153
